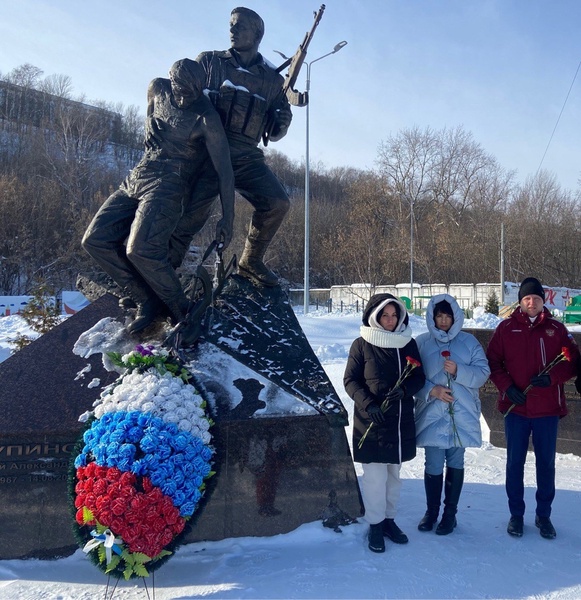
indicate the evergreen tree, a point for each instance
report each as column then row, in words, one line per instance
column 41, row 314
column 491, row 305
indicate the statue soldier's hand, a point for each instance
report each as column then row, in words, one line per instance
column 224, row 229
column 153, row 133
column 282, row 121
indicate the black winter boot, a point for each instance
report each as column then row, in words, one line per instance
column 375, row 538
column 433, row 485
column 452, row 489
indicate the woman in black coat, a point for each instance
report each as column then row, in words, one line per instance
column 376, row 362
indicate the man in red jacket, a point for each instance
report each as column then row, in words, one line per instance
column 531, row 396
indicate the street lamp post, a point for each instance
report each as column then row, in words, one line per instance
column 306, row 294
column 412, row 254
column 336, row 48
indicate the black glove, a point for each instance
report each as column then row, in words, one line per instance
column 516, row 396
column 375, row 413
column 543, row 380
column 395, row 395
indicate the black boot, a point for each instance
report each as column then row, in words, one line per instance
column 393, row 532
column 433, row 485
column 452, row 489
column 375, row 538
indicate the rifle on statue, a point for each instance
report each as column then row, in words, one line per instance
column 296, row 62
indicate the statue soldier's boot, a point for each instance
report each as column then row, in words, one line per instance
column 251, row 263
column 262, row 229
column 178, row 308
column 433, row 485
column 452, row 488
column 148, row 307
column 126, row 302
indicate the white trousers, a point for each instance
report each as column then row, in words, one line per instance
column 380, row 487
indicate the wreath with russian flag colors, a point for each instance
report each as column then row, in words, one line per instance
column 140, row 470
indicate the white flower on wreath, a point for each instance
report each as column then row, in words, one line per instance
column 166, row 397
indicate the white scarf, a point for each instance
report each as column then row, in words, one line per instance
column 386, row 339
column 376, row 335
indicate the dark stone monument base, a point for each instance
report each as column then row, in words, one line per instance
column 274, row 472
column 274, row 475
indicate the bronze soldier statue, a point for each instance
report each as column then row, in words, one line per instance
column 247, row 93
column 130, row 236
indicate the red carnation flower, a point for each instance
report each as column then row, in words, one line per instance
column 413, row 361
column 178, row 526
column 90, row 470
column 113, row 474
column 118, row 506
column 100, row 487
column 79, row 516
column 127, row 478
column 100, row 472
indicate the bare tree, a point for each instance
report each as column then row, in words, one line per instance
column 57, row 85
column 26, row 75
column 441, row 181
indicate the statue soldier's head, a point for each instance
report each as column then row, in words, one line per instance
column 246, row 29
column 187, row 81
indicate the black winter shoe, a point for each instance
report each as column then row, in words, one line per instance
column 393, row 532
column 546, row 527
column 447, row 524
column 515, row 526
column 375, row 537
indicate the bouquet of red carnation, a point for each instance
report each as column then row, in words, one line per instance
column 565, row 354
column 411, row 364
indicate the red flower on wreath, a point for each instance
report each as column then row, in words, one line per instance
column 145, row 520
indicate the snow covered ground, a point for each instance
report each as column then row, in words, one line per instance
column 479, row 560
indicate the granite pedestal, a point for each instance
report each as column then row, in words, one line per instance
column 274, row 471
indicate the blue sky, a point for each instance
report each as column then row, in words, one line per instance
column 499, row 68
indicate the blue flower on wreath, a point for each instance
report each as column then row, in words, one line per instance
column 168, row 456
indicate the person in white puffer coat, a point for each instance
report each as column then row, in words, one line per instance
column 447, row 408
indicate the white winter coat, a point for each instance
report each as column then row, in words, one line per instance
column 433, row 419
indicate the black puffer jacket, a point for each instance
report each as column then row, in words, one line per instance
column 371, row 373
